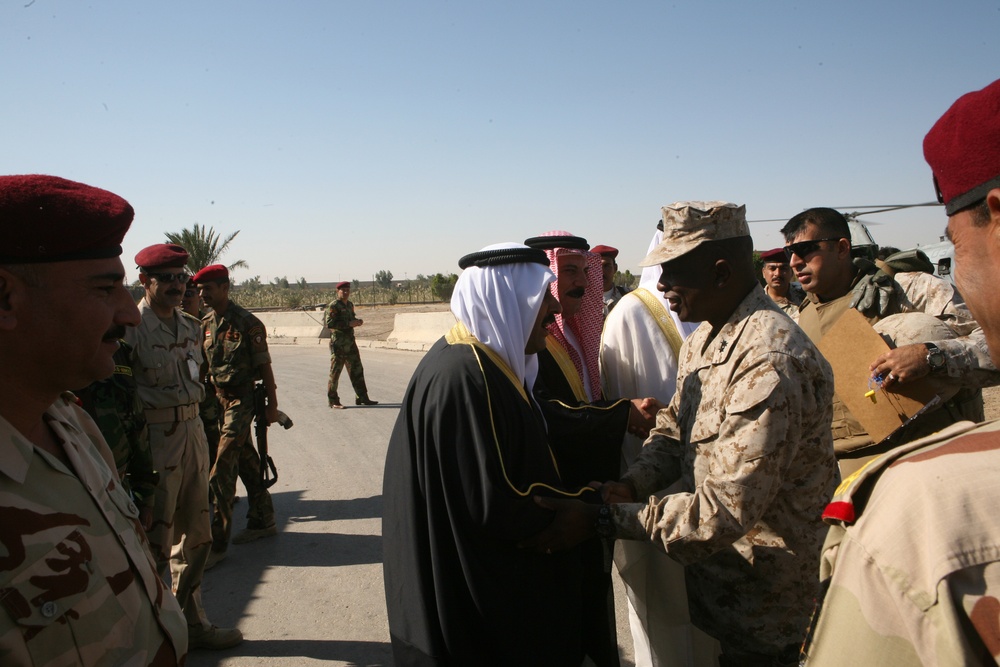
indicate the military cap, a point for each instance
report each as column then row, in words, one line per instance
column 210, row 273
column 688, row 224
column 776, row 256
column 344, row 284
column 555, row 240
column 499, row 256
column 605, row 251
column 51, row 219
column 963, row 149
column 162, row 255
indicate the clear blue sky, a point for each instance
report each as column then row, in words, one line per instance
column 342, row 138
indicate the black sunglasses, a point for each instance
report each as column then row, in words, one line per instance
column 167, row 278
column 805, row 248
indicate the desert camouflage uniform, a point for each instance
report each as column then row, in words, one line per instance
column 168, row 373
column 790, row 304
column 235, row 347
column 912, row 561
column 741, row 464
column 343, row 350
column 966, row 358
column 115, row 406
column 78, row 585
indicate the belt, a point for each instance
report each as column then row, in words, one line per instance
column 180, row 413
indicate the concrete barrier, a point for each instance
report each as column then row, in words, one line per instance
column 419, row 331
column 411, row 331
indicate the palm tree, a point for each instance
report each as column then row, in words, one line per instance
column 204, row 247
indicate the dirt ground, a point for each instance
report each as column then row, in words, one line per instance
column 379, row 322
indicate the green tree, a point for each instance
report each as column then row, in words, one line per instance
column 281, row 282
column 204, row 246
column 302, row 283
column 442, row 286
column 626, row 279
column 384, row 279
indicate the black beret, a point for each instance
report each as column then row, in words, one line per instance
column 51, row 219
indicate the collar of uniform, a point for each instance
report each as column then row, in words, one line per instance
column 150, row 320
column 721, row 347
column 15, row 459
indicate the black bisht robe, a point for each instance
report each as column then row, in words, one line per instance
column 463, row 454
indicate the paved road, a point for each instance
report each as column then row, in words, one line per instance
column 314, row 593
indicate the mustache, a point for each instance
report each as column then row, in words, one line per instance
column 549, row 319
column 114, row 333
column 576, row 293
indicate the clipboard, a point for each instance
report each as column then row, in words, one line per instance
column 851, row 345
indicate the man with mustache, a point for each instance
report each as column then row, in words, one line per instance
column 818, row 244
column 168, row 365
column 77, row 583
column 466, row 454
column 585, row 430
column 732, row 480
column 778, row 281
column 912, row 562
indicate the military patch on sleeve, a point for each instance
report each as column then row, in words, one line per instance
column 257, row 334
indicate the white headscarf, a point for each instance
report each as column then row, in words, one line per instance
column 499, row 306
column 648, row 280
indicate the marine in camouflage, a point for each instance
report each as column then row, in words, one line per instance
column 737, row 472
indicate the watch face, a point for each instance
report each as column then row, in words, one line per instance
column 935, row 359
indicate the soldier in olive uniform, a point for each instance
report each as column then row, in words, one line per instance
column 78, row 585
column 115, row 406
column 732, row 480
column 341, row 321
column 237, row 356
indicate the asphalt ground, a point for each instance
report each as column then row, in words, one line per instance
column 313, row 594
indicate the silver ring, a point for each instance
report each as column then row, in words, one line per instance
column 891, row 377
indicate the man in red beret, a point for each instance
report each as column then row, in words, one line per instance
column 77, row 583
column 342, row 322
column 609, row 267
column 236, row 350
column 912, row 562
column 778, row 281
column 168, row 344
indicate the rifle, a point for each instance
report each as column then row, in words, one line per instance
column 268, row 471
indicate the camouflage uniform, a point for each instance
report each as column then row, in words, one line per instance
column 912, row 561
column 167, row 371
column 235, row 347
column 343, row 350
column 77, row 583
column 967, row 357
column 790, row 304
column 746, row 452
column 116, row 407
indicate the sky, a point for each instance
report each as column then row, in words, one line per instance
column 345, row 138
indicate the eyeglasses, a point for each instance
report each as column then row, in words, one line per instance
column 805, row 248
column 167, row 278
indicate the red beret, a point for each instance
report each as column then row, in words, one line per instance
column 963, row 149
column 50, row 219
column 210, row 273
column 162, row 255
column 343, row 285
column 605, row 250
column 776, row 255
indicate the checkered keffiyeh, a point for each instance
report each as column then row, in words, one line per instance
column 586, row 325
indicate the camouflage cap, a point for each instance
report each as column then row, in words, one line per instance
column 688, row 224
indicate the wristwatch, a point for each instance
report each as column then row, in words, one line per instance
column 605, row 526
column 935, row 357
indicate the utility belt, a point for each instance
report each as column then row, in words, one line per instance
column 180, row 413
column 234, row 391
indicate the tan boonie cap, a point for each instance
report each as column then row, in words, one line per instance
column 688, row 224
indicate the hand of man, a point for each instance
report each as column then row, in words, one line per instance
column 617, row 492
column 357, row 323
column 271, row 412
column 904, row 364
column 642, row 416
column 573, row 522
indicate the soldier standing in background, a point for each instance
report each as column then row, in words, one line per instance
column 341, row 321
column 236, row 351
column 778, row 281
column 115, row 406
column 168, row 371
column 209, row 410
column 79, row 584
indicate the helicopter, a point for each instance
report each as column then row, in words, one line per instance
column 863, row 244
